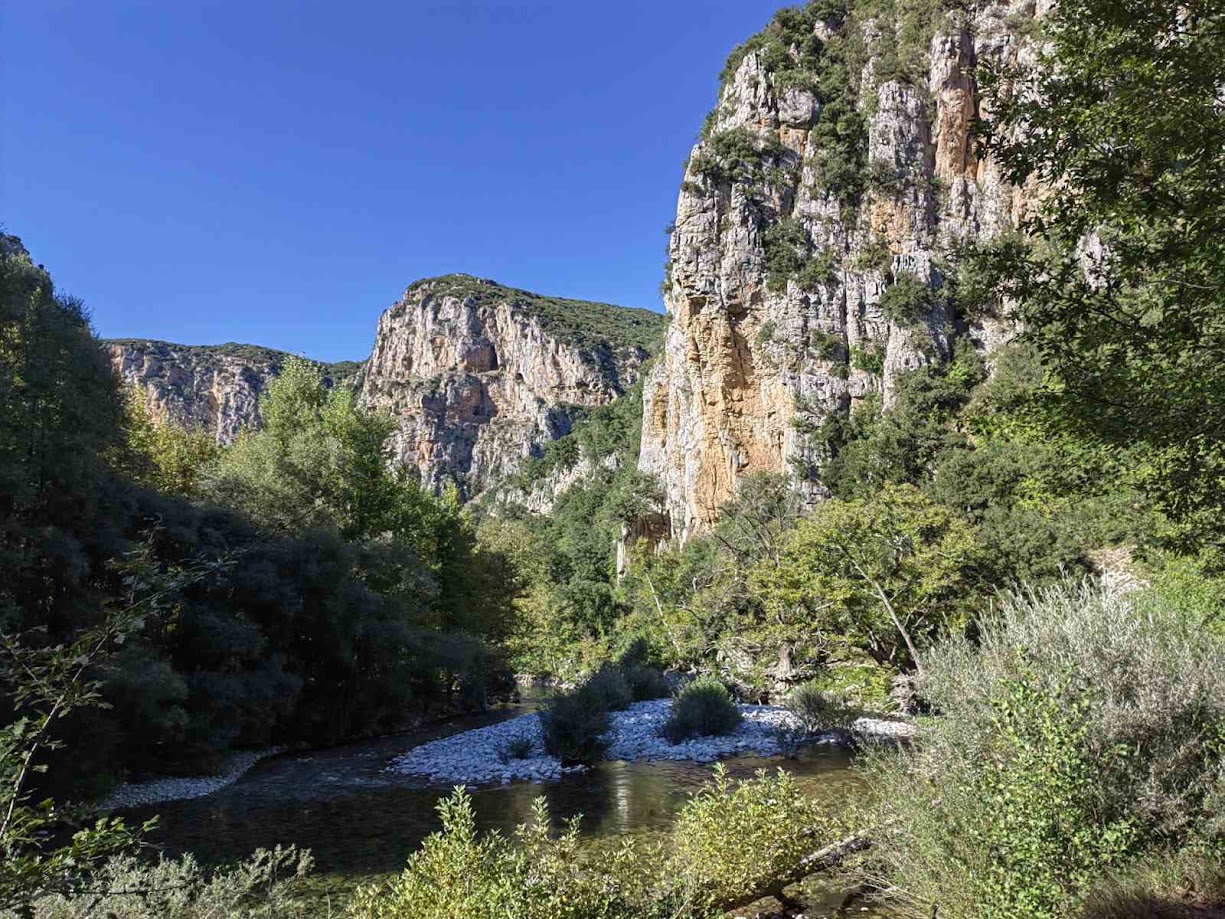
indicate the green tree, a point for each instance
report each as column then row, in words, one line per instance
column 1120, row 283
column 164, row 456
column 886, row 573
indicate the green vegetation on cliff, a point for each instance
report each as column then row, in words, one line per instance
column 588, row 324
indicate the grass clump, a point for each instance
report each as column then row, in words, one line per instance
column 704, row 708
column 518, row 747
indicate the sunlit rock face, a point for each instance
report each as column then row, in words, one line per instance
column 478, row 376
column 789, row 231
column 214, row 389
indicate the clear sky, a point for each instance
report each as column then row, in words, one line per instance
column 277, row 171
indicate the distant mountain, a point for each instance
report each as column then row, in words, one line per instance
column 478, row 376
column 209, row 388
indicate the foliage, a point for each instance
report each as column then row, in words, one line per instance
column 885, row 574
column 372, row 600
column 862, row 684
column 569, row 600
column 908, row 300
column 1079, row 735
column 731, row 840
column 44, row 685
column 609, row 688
column 703, row 708
column 164, row 457
column 574, row 727
column 261, row 887
column 816, row 710
column 1119, row 289
column 734, row 838
column 646, row 682
column 458, row 872
column 1160, row 887
column 737, row 155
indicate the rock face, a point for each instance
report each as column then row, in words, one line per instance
column 210, row 388
column 818, row 216
column 479, row 376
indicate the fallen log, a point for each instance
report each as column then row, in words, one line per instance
column 823, row 859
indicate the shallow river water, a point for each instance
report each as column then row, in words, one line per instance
column 362, row 822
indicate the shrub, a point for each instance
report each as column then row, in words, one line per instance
column 519, row 747
column 457, row 872
column 608, row 689
column 1079, row 737
column 817, row 712
column 703, row 708
column 647, row 683
column 125, row 888
column 908, row 300
column 574, row 727
column 732, row 838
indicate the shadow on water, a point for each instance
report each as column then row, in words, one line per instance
column 362, row 822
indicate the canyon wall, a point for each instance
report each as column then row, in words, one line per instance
column 213, row 389
column 479, row 377
column 834, row 184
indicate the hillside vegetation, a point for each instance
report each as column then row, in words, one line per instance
column 1020, row 552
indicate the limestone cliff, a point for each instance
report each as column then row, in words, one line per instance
column 833, row 185
column 211, row 388
column 479, row 377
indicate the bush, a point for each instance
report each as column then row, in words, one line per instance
column 817, row 712
column 574, row 725
column 731, row 840
column 124, row 888
column 1080, row 736
column 456, row 872
column 703, row 708
column 647, row 683
column 519, row 747
column 608, row 689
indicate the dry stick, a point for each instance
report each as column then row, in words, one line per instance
column 822, row 860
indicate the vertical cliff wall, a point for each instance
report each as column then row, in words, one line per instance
column 480, row 376
column 210, row 388
column 833, row 184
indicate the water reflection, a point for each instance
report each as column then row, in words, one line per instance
column 362, row 822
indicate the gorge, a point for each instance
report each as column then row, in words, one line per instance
column 882, row 572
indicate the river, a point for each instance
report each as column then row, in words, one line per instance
column 362, row 823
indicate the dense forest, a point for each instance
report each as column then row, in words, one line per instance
column 1020, row 548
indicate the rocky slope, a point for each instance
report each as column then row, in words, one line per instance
column 809, row 262
column 480, row 376
column 210, row 388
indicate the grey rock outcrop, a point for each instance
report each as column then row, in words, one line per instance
column 214, row 389
column 801, row 206
column 479, row 376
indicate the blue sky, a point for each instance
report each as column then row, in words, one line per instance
column 277, row 172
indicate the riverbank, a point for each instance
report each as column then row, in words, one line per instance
column 184, row 788
column 514, row 750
